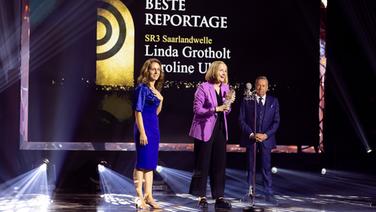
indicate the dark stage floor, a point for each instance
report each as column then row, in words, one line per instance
column 295, row 191
column 184, row 202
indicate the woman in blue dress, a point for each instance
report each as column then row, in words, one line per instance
column 147, row 105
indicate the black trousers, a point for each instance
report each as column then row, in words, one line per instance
column 210, row 160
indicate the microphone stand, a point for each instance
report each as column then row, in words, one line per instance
column 252, row 96
column 253, row 195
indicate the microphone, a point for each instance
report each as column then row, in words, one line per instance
column 247, row 90
column 248, row 94
column 248, row 85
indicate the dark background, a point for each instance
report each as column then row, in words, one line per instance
column 279, row 40
column 350, row 87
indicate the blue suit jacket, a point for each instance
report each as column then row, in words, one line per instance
column 270, row 122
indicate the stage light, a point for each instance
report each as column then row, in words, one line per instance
column 43, row 167
column 369, row 150
column 323, row 171
column 325, row 2
column 101, row 168
column 159, row 169
column 46, row 161
column 104, row 163
column 274, row 170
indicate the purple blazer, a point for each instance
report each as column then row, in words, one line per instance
column 204, row 117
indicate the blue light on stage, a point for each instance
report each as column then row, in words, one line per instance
column 177, row 180
column 29, row 190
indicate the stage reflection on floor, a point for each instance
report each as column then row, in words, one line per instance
column 294, row 191
column 181, row 202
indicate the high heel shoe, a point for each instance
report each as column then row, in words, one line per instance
column 140, row 203
column 152, row 203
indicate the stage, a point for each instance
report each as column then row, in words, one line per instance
column 68, row 73
column 294, row 191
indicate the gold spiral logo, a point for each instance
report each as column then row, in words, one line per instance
column 115, row 44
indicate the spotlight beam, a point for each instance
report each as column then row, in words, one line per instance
column 51, row 49
column 350, row 110
column 112, row 182
column 177, row 180
column 33, row 182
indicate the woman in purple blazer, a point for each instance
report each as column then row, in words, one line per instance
column 209, row 129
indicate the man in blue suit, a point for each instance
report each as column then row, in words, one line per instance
column 259, row 121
